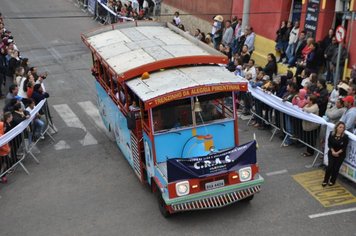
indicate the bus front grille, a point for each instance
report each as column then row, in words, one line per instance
column 216, row 201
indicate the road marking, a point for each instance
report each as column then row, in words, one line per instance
column 73, row 121
column 61, row 145
column 89, row 108
column 328, row 196
column 329, row 213
column 278, row 172
column 93, row 112
column 243, row 117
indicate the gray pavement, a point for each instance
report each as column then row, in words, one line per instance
column 90, row 189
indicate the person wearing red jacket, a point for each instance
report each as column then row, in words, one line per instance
column 4, row 152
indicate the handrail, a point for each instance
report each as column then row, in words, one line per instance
column 170, row 63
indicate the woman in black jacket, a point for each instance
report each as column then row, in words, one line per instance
column 271, row 66
column 322, row 95
column 38, row 93
column 337, row 143
column 280, row 39
column 14, row 62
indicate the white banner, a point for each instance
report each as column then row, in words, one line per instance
column 290, row 109
column 22, row 126
column 284, row 107
column 348, row 169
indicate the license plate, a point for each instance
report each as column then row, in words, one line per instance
column 215, row 184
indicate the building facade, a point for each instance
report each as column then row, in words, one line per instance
column 316, row 17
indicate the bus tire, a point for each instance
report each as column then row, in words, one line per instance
column 249, row 198
column 162, row 206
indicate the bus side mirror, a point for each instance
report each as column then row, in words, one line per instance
column 131, row 121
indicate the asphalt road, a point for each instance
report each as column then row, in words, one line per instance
column 88, row 188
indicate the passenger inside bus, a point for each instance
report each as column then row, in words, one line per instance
column 176, row 114
column 135, row 109
column 213, row 108
column 179, row 114
column 133, row 106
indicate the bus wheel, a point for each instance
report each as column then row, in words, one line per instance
column 249, row 198
column 162, row 205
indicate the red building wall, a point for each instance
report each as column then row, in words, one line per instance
column 352, row 51
column 204, row 9
column 352, row 37
column 325, row 21
column 265, row 16
column 325, row 18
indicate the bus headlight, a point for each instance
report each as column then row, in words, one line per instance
column 245, row 174
column 182, row 188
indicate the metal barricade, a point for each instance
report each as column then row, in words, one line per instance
column 107, row 16
column 289, row 119
column 22, row 139
column 263, row 114
column 82, row 3
column 292, row 128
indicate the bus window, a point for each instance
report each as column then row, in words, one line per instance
column 107, row 77
column 214, row 107
column 113, row 83
column 101, row 70
column 145, row 119
column 173, row 115
column 95, row 68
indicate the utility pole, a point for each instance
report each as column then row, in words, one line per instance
column 246, row 14
column 337, row 70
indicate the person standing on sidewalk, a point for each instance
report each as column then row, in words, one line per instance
column 3, row 70
column 337, row 143
column 4, row 152
column 250, row 39
column 297, row 49
column 288, row 120
column 310, row 128
column 281, row 39
column 217, row 31
column 293, row 38
column 349, row 117
column 328, row 55
column 228, row 34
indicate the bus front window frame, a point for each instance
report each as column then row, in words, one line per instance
column 215, row 110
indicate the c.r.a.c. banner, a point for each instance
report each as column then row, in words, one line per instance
column 216, row 163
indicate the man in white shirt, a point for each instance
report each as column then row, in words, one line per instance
column 250, row 39
column 293, row 38
column 176, row 19
column 228, row 34
column 250, row 70
column 145, row 7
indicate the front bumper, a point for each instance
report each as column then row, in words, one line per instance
column 217, row 198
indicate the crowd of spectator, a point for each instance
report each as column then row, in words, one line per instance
column 306, row 88
column 136, row 9
column 25, row 90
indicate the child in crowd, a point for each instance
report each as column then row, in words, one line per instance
column 38, row 123
column 301, row 99
column 176, row 19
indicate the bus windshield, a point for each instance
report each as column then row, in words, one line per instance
column 184, row 113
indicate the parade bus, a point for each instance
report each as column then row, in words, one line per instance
column 169, row 101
